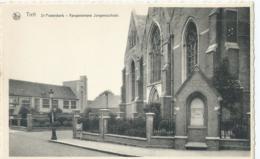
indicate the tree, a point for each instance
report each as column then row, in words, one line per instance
column 229, row 88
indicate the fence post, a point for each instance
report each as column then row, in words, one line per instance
column 29, row 122
column 103, row 122
column 75, row 119
column 149, row 126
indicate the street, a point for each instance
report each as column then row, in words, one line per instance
column 36, row 144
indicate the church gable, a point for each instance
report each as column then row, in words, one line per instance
column 197, row 82
column 132, row 34
column 136, row 30
column 135, row 36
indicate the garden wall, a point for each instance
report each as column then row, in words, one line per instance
column 156, row 141
column 126, row 140
column 176, row 142
column 234, row 144
column 162, row 141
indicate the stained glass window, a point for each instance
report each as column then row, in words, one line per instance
column 155, row 56
column 191, row 47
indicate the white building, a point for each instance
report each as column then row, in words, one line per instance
column 35, row 96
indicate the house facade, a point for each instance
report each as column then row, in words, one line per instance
column 35, row 97
column 105, row 100
column 80, row 89
column 172, row 58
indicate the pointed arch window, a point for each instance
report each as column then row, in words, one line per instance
column 191, row 44
column 141, row 82
column 155, row 55
column 154, row 96
column 133, row 80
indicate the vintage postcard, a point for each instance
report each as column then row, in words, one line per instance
column 127, row 80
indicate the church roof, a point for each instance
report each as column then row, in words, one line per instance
column 33, row 89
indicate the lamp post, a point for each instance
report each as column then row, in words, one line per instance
column 53, row 134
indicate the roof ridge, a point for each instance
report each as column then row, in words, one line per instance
column 28, row 88
column 38, row 83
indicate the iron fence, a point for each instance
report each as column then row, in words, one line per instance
column 164, row 127
column 129, row 127
column 235, row 129
column 13, row 122
column 24, row 122
column 89, row 124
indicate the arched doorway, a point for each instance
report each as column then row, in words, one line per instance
column 155, row 106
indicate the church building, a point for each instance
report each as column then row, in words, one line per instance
column 178, row 59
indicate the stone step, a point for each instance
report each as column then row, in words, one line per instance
column 196, row 145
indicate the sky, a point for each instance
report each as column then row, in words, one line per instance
column 52, row 50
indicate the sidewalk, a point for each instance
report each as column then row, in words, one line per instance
column 124, row 150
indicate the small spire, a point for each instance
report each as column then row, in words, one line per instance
column 133, row 12
column 196, row 68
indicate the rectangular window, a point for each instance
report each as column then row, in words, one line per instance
column 45, row 103
column 26, row 102
column 231, row 25
column 55, row 103
column 73, row 104
column 13, row 102
column 66, row 104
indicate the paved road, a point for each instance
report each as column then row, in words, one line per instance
column 37, row 144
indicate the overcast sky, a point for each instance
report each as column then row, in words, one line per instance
column 53, row 50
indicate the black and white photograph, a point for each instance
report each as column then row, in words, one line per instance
column 128, row 80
